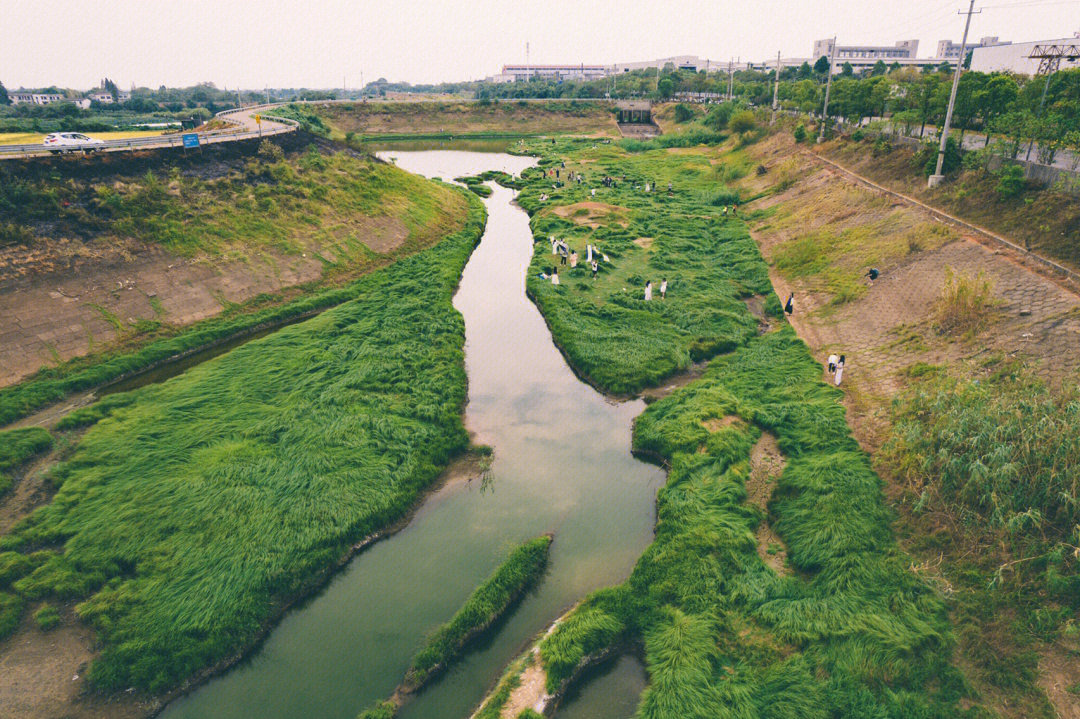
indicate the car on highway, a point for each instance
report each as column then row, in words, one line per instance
column 70, row 142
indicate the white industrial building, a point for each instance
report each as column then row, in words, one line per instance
column 34, row 98
column 902, row 50
column 1016, row 57
column 523, row 73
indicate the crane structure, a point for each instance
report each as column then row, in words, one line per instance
column 1051, row 55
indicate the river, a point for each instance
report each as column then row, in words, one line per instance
column 562, row 464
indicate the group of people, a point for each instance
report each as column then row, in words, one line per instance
column 733, row 209
column 567, row 255
column 663, row 289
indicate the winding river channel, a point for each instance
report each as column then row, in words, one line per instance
column 562, row 464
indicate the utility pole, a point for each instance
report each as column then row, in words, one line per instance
column 528, row 70
column 729, row 79
column 267, row 95
column 776, row 88
column 828, row 87
column 937, row 177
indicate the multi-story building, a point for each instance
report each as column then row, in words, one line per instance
column 902, row 50
column 949, row 50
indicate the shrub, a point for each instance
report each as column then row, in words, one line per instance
column 742, row 121
column 47, row 617
column 1011, row 182
column 858, row 135
column 683, row 113
column 800, row 132
column 951, row 163
column 11, row 607
column 964, row 304
column 270, row 151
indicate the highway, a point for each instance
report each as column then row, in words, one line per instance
column 242, row 121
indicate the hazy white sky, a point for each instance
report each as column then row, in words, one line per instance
column 317, row 43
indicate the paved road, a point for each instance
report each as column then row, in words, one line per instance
column 242, row 127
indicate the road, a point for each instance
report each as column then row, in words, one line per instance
column 244, row 127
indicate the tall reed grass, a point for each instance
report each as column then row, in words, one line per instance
column 852, row 632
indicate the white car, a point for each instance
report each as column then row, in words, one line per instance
column 70, row 142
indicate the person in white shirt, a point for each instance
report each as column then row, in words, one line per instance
column 833, row 359
column 648, row 291
column 554, row 275
column 663, row 289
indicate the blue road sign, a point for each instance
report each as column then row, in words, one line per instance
column 191, row 140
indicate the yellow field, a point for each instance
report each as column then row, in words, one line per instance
column 32, row 138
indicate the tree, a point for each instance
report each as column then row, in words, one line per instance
column 805, row 71
column 665, row 88
column 996, row 96
column 1011, row 183
column 800, row 132
column 880, row 68
column 4, row 99
column 683, row 113
column 822, row 65
column 894, row 67
column 110, row 87
column 846, row 70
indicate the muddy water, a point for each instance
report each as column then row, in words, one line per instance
column 562, row 463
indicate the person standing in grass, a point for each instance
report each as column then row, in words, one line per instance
column 573, row 259
column 839, row 369
column 595, row 267
column 562, row 253
column 554, row 244
column 833, row 359
column 554, row 275
column 648, row 290
column 663, row 289
column 588, row 252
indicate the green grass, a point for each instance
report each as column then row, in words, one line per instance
column 491, row 599
column 19, row 446
column 428, row 212
column 194, row 509
column 852, row 632
column 613, row 338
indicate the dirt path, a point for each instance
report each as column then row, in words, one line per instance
column 890, row 326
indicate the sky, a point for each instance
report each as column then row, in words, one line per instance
column 331, row 43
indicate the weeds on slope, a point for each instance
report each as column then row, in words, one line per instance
column 428, row 213
column 194, row 509
column 991, row 468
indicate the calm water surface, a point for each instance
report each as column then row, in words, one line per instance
column 562, row 464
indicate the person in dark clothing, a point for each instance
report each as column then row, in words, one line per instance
column 873, row 274
column 789, row 306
